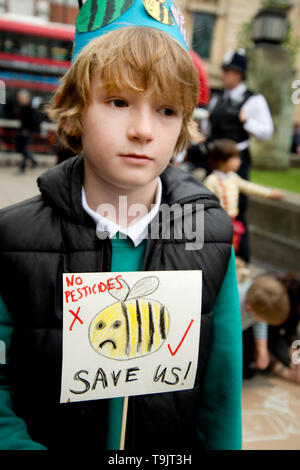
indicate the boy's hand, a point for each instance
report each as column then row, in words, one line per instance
column 276, row 194
column 291, row 373
column 262, row 359
column 294, row 372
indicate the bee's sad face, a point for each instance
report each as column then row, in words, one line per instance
column 108, row 332
column 130, row 329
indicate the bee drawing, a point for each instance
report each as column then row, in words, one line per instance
column 159, row 11
column 132, row 327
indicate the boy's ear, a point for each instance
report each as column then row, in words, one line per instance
column 70, row 126
column 66, row 126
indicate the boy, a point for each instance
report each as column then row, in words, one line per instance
column 283, row 339
column 263, row 302
column 225, row 160
column 126, row 104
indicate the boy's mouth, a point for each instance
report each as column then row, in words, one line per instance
column 137, row 157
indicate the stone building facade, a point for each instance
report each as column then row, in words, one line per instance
column 216, row 26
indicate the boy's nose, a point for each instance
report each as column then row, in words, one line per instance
column 140, row 127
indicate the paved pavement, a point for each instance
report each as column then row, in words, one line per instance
column 271, row 406
column 15, row 187
column 271, row 414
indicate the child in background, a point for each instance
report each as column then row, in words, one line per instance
column 284, row 339
column 224, row 159
column 263, row 302
column 125, row 107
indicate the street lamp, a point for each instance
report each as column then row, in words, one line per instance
column 270, row 24
column 270, row 73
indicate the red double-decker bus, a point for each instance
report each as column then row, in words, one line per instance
column 34, row 54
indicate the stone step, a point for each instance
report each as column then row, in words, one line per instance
column 274, row 227
column 295, row 160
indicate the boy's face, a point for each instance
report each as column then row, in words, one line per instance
column 128, row 138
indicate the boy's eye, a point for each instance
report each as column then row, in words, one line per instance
column 118, row 103
column 169, row 112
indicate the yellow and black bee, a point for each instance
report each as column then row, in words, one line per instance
column 132, row 327
column 159, row 11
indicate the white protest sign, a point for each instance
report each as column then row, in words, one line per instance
column 129, row 333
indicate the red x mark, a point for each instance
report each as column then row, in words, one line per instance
column 76, row 317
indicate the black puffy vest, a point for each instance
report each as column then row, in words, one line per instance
column 50, row 234
column 224, row 119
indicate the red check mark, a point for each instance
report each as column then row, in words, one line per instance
column 182, row 339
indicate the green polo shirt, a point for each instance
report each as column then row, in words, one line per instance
column 125, row 257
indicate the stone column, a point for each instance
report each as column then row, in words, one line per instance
column 270, row 73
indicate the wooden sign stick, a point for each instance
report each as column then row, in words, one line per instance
column 124, row 419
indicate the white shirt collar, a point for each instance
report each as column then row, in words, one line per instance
column 221, row 174
column 136, row 232
column 237, row 92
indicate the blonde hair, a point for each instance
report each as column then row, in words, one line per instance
column 140, row 58
column 269, row 300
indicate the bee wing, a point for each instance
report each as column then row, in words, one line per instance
column 122, row 293
column 144, row 286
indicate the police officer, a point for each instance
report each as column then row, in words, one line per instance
column 237, row 113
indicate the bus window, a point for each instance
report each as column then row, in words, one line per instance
column 59, row 50
column 42, row 48
column 8, row 44
column 34, row 46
